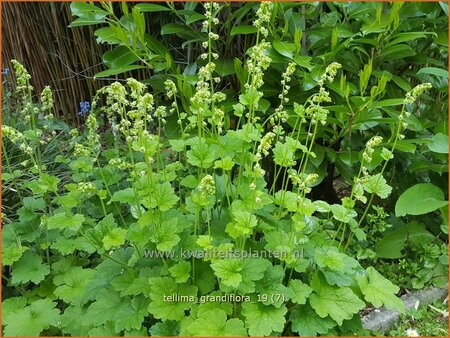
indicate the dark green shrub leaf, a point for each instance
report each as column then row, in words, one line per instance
column 121, row 56
column 420, row 199
column 393, row 242
column 152, row 8
column 243, row 29
column 439, row 144
column 116, row 71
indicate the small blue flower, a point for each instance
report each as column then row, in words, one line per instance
column 5, row 71
column 85, row 106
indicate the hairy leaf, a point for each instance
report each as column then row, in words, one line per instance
column 339, row 303
column 263, row 320
column 379, row 290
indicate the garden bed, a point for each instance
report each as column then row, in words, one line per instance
column 246, row 169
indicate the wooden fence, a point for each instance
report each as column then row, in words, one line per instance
column 36, row 34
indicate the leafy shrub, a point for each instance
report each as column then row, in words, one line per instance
column 387, row 48
column 185, row 234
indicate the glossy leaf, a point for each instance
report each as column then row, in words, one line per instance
column 146, row 7
column 117, row 71
column 243, row 29
column 420, row 199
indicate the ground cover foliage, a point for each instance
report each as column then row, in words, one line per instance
column 423, row 320
column 300, row 176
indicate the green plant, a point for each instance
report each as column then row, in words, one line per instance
column 423, row 320
column 167, row 231
column 45, row 135
column 128, row 33
column 376, row 43
column 408, row 254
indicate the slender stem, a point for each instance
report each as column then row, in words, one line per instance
column 103, row 206
column 8, row 164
